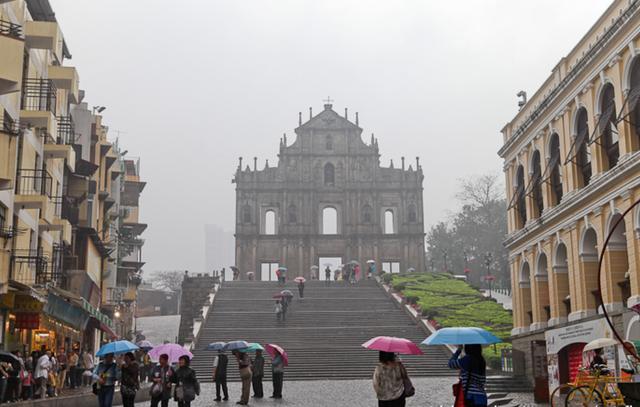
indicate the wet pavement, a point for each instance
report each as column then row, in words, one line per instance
column 351, row 393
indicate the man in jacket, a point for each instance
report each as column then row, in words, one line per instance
column 220, row 375
column 257, row 366
column 162, row 377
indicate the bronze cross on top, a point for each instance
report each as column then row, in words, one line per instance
column 328, row 100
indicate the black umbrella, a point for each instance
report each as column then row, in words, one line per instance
column 10, row 358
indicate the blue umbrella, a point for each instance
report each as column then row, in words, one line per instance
column 216, row 346
column 236, row 345
column 461, row 336
column 117, row 348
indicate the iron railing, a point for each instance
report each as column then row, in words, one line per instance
column 9, row 29
column 34, row 182
column 66, row 130
column 29, row 267
column 39, row 94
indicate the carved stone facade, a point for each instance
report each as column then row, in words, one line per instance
column 328, row 168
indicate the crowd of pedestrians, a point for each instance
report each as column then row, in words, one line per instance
column 43, row 374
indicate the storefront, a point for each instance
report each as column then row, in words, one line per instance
column 565, row 345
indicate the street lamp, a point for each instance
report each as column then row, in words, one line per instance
column 488, row 259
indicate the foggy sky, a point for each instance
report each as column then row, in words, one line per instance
column 194, row 84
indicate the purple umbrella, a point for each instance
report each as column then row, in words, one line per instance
column 173, row 350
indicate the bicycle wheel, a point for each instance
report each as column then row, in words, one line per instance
column 559, row 395
column 584, row 396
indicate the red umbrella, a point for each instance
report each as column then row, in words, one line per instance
column 279, row 296
column 273, row 350
column 393, row 345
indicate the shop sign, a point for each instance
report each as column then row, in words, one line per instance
column 94, row 312
column 23, row 303
column 27, row 320
column 583, row 332
column 8, row 300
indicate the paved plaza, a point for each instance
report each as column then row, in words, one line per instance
column 351, row 393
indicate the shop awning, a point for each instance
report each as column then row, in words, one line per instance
column 95, row 313
column 65, row 311
column 108, row 330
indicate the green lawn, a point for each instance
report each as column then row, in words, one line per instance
column 453, row 302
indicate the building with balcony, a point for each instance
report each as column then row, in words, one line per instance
column 60, row 191
column 572, row 167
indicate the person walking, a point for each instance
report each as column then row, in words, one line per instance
column 106, row 374
column 27, row 383
column 162, row 377
column 130, row 380
column 301, row 288
column 74, row 371
column 327, row 276
column 277, row 375
column 43, row 366
column 278, row 310
column 244, row 365
column 187, row 386
column 88, row 365
column 388, row 381
column 257, row 367
column 63, row 369
column 220, row 364
column 473, row 375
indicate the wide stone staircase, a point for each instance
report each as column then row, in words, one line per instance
column 322, row 333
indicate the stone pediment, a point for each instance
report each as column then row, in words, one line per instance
column 328, row 119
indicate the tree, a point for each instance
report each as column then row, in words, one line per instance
column 168, row 280
column 477, row 229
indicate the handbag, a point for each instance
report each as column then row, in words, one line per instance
column 409, row 390
column 94, row 388
column 156, row 390
column 128, row 391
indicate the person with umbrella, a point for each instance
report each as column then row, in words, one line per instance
column 278, row 361
column 278, row 309
column 257, row 367
column 162, row 376
column 244, row 365
column 106, row 374
column 220, row 374
column 327, row 275
column 473, row 375
column 187, row 385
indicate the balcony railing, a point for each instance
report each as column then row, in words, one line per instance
column 39, row 94
column 9, row 29
column 66, row 130
column 34, row 182
column 29, row 267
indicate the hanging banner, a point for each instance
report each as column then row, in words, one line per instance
column 24, row 303
column 27, row 320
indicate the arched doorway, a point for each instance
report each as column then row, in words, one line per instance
column 525, row 295
column 541, row 278
column 562, row 300
column 589, row 271
column 616, row 267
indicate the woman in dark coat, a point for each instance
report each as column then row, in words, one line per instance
column 129, row 380
column 187, row 386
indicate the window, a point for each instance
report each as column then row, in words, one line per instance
column 582, row 145
column 3, row 217
column 329, row 143
column 391, row 267
column 367, row 214
column 521, row 204
column 389, row 224
column 554, row 164
column 270, row 222
column 268, row 271
column 412, row 213
column 246, row 213
column 537, row 183
column 634, row 98
column 292, row 214
column 329, row 174
column 609, row 132
column 329, row 221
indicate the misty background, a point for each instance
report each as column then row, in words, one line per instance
column 190, row 86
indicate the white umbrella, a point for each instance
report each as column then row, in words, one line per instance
column 600, row 343
column 371, row 261
column 314, row 267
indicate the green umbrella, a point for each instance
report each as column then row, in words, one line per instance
column 252, row 347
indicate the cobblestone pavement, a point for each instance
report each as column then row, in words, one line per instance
column 351, row 393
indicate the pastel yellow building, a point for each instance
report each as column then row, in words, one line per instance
column 572, row 166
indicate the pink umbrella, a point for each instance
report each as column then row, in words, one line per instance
column 173, row 350
column 273, row 350
column 393, row 345
column 299, row 279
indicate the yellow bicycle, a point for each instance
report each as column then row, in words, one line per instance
column 560, row 393
column 602, row 391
